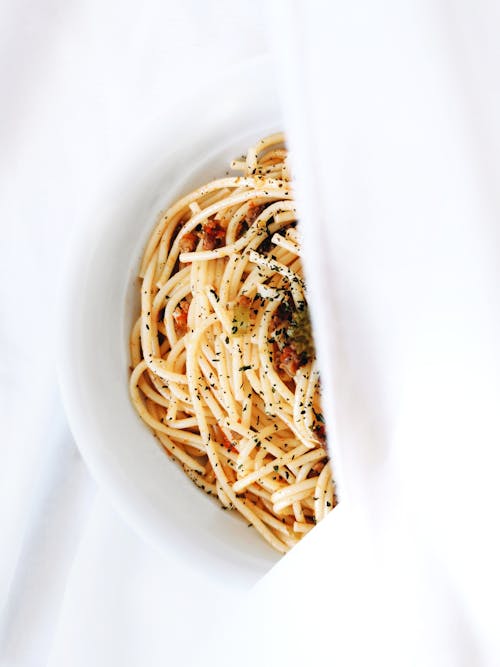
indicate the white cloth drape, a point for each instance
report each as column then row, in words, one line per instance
column 392, row 113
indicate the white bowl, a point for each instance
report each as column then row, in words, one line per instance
column 192, row 146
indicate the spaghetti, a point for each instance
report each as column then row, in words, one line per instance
column 223, row 363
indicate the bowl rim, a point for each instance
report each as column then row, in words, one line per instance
column 135, row 510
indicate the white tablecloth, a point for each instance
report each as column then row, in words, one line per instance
column 394, row 111
column 77, row 77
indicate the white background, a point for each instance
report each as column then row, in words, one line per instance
column 399, row 135
column 77, row 79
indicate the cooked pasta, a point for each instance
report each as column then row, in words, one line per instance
column 223, row 363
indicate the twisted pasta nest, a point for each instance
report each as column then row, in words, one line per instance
column 223, row 362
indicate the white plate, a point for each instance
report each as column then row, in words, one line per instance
column 192, row 146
